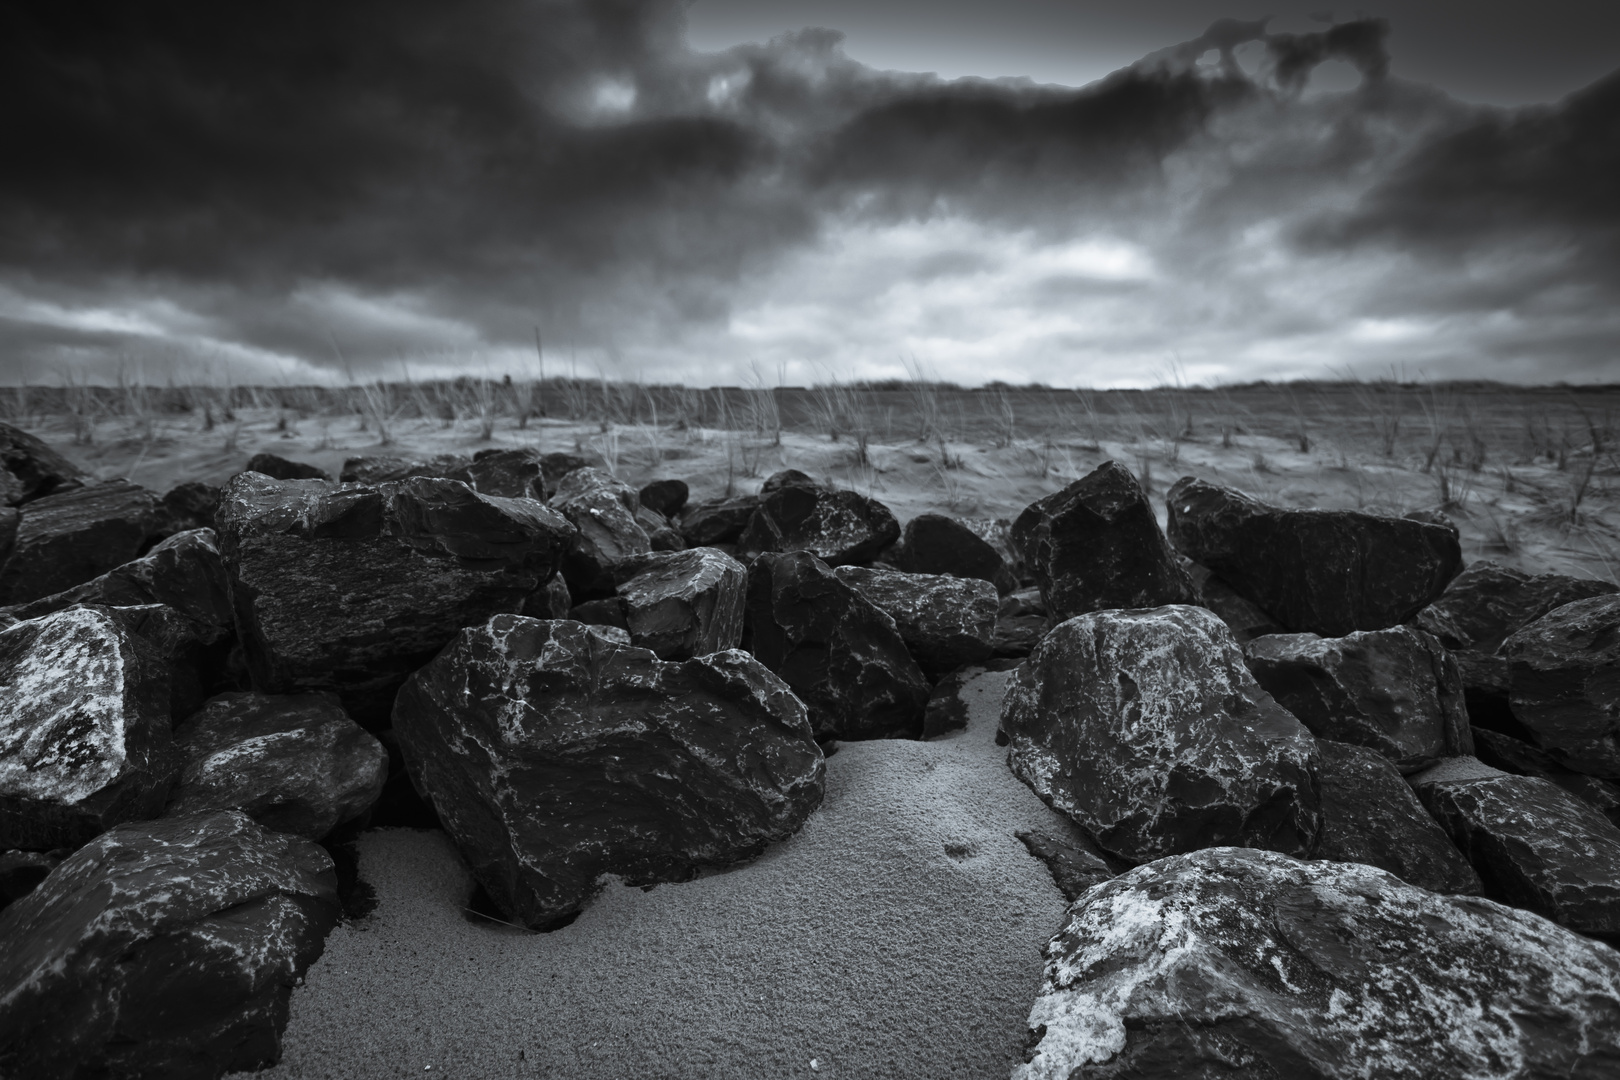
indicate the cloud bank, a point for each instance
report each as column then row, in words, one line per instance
column 403, row 187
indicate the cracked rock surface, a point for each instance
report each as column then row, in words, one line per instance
column 686, row 603
column 837, row 527
column 945, row 621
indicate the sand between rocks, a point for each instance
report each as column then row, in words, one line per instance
column 897, row 935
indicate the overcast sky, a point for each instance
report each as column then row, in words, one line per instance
column 782, row 191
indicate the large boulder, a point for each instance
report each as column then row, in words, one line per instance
column 31, row 470
column 718, row 521
column 841, row 654
column 555, row 756
column 1512, row 755
column 84, row 730
column 1370, row 815
column 1488, row 602
column 280, row 468
column 165, row 948
column 945, row 621
column 1534, row 844
column 603, row 510
column 1565, row 678
column 294, row 763
column 837, row 527
column 685, row 603
column 1328, row 572
column 68, row 538
column 350, row 589
column 1145, row 729
column 377, row 470
column 936, row 544
column 1240, row 963
column 512, row 473
column 1096, row 545
column 1396, row 691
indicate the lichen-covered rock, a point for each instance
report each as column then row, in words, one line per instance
column 294, row 763
column 1533, row 844
column 1096, row 545
column 1073, row 867
column 603, row 510
column 1370, row 815
column 718, row 521
column 68, row 538
column 841, row 654
column 1241, row 963
column 1396, row 691
column 1504, row 752
column 1146, row 730
column 31, row 470
column 280, row 468
column 555, row 756
column 936, row 544
column 350, row 589
column 84, row 730
column 1328, row 572
column 1565, row 672
column 1488, row 602
column 684, row 604
column 666, row 497
column 378, row 470
column 164, row 948
column 945, row 621
column 837, row 527
column 512, row 473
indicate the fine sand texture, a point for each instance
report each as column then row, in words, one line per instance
column 899, row 934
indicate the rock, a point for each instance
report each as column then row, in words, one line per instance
column 1145, row 729
column 165, row 948
column 1565, row 670
column 719, row 521
column 1096, row 545
column 378, row 470
column 837, row 527
column 31, row 470
column 1241, row 616
column 661, row 535
column 293, row 763
column 555, row 466
column 841, row 654
column 84, row 730
column 350, row 589
column 946, row 711
column 22, row 871
column 279, row 468
column 1074, row 869
column 787, row 478
column 66, row 539
column 666, row 497
column 551, row 602
column 512, row 473
column 1328, row 572
column 1488, row 602
column 603, row 509
column 936, row 544
column 1395, row 690
column 195, row 656
column 1370, row 815
column 191, row 505
column 945, row 621
column 555, row 756
column 608, row 611
column 685, row 604
column 1025, row 601
column 1242, row 963
column 1018, row 635
column 1533, row 844
column 1504, row 752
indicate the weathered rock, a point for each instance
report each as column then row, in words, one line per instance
column 84, row 730
column 661, row 535
column 719, row 521
column 1241, row 963
column 1074, row 869
column 555, row 466
column 837, row 527
column 191, row 505
column 685, row 604
column 66, row 539
column 1488, row 602
column 551, row 602
column 350, row 589
column 608, row 611
column 841, row 654
column 10, row 520
column 378, row 470
column 1504, row 752
column 279, row 468
column 554, row 757
column 1565, row 670
column 165, row 948
column 666, row 497
column 945, row 621
column 787, row 478
column 1328, row 572
column 1025, row 601
column 1533, row 844
column 1370, row 815
column 1396, row 691
column 1096, row 545
column 31, row 470
column 512, row 473
column 603, row 509
column 1146, row 730
column 936, row 544
column 22, row 871
column 1017, row 635
column 293, row 763
column 946, row 710
column 195, row 656
column 1241, row 616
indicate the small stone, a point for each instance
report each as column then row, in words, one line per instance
column 31, row 470
column 666, row 497
column 936, row 544
column 837, row 527
column 279, row 468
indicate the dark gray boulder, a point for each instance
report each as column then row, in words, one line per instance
column 661, row 535
column 936, row 544
column 556, row 465
column 603, row 510
column 1096, row 545
column 1328, row 572
column 666, row 497
column 555, row 756
column 1370, row 815
column 841, row 654
column 837, row 527
column 551, row 602
column 294, row 763
column 1146, row 730
column 787, row 478
column 945, row 621
column 1241, row 963
column 1396, row 690
column 1242, row 616
column 718, row 521
column 1565, row 678
column 164, row 948
column 350, row 589
column 510, row 473
column 31, row 470
column 378, row 470
column 1074, row 867
column 1504, row 752
column 66, row 539
column 1021, row 622
column 280, row 468
column 1533, row 844
column 84, row 730
column 684, row 604
column 191, row 505
column 1488, row 602
column 608, row 611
